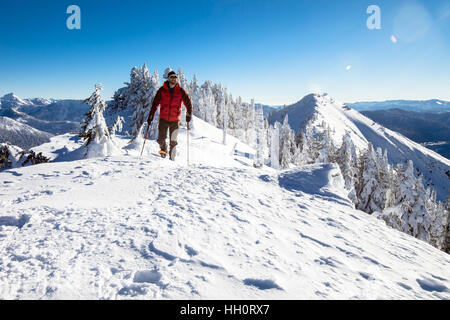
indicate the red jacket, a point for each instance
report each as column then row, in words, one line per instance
column 170, row 103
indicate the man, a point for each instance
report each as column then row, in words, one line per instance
column 170, row 96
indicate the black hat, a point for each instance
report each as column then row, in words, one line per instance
column 171, row 73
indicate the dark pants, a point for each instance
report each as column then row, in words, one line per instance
column 173, row 127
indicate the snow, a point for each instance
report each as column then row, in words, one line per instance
column 131, row 227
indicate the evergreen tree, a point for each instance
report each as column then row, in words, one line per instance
column 419, row 220
column 196, row 98
column 185, row 85
column 439, row 221
column 32, row 158
column 275, row 145
column 348, row 163
column 209, row 103
column 383, row 197
column 224, row 113
column 404, row 185
column 5, row 157
column 119, row 100
column 95, row 130
column 240, row 127
column 97, row 105
column 367, row 186
column 258, row 161
column 287, row 144
column 117, row 126
column 446, row 247
column 142, row 98
column 182, row 81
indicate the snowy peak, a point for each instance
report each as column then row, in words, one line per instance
column 11, row 99
column 41, row 101
column 316, row 113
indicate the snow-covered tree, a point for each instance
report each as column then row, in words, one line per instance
column 12, row 156
column 119, row 100
column 117, row 126
column 324, row 146
column 439, row 221
column 9, row 156
column 183, row 81
column 32, row 158
column 258, row 161
column 404, row 185
column 419, row 219
column 196, row 98
column 97, row 105
column 5, row 157
column 287, row 144
column 224, row 113
column 142, row 98
column 303, row 154
column 239, row 116
column 367, row 187
column 209, row 103
column 275, row 145
column 348, row 163
column 384, row 197
column 447, row 231
column 96, row 134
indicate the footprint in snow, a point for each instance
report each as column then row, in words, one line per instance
column 147, row 276
column 262, row 284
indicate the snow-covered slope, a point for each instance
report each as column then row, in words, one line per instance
column 53, row 127
column 316, row 110
column 131, row 227
column 20, row 134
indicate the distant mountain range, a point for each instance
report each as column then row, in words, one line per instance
column 433, row 105
column 30, row 122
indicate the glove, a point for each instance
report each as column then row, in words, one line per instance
column 188, row 118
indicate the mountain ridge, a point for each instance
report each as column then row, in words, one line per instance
column 316, row 112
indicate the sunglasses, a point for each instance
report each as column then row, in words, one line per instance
column 173, row 77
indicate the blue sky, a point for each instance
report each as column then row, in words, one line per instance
column 273, row 51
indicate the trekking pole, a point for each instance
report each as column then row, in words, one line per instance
column 188, row 144
column 145, row 139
